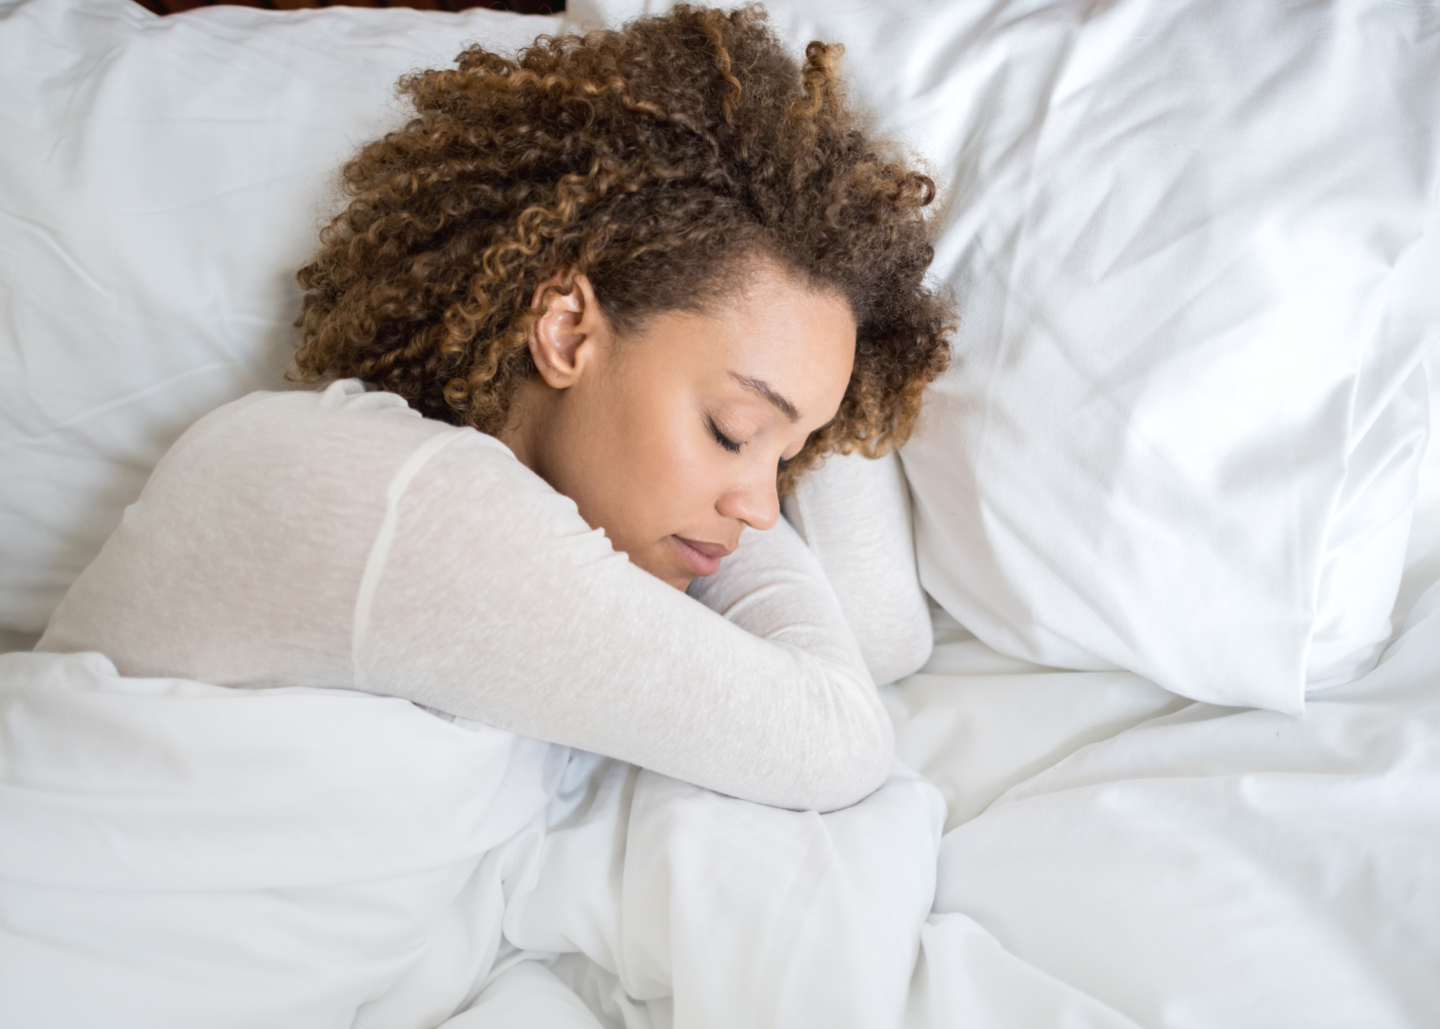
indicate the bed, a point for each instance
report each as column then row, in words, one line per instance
column 1174, row 760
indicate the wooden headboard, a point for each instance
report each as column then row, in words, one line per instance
column 519, row 6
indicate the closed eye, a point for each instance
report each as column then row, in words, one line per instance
column 724, row 440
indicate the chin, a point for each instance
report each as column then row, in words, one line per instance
column 666, row 572
column 681, row 582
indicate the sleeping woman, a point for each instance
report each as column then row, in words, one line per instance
column 582, row 323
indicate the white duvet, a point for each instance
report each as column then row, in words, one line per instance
column 1209, row 866
column 178, row 854
column 185, row 855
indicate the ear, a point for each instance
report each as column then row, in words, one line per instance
column 565, row 337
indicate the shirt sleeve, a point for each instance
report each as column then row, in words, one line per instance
column 854, row 513
column 489, row 597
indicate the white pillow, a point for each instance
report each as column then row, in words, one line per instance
column 1197, row 255
column 161, row 179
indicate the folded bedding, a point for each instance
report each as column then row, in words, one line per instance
column 1235, row 868
column 202, row 855
column 183, row 854
column 195, row 854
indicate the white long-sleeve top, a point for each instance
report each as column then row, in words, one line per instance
column 337, row 539
column 855, row 515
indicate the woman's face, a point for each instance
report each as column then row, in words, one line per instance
column 670, row 438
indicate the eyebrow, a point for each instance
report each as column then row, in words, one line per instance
column 767, row 391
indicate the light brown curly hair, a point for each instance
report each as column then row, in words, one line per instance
column 658, row 161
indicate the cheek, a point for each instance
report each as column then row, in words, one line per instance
column 677, row 461
column 644, row 468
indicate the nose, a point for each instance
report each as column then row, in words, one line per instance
column 757, row 503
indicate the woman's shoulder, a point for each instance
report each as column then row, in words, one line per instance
column 325, row 466
column 345, row 406
column 341, row 426
column 334, row 460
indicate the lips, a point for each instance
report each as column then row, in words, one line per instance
column 700, row 557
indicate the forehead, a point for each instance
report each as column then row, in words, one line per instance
column 783, row 353
column 776, row 330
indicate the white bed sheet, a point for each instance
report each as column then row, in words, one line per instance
column 1115, row 857
column 1201, row 867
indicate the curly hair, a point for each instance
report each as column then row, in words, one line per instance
column 657, row 161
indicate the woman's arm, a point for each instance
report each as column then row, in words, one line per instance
column 854, row 513
column 523, row 617
column 337, row 539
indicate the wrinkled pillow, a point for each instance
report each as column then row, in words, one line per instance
column 161, row 179
column 1197, row 259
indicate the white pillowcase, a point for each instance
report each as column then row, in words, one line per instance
column 1196, row 251
column 161, row 179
